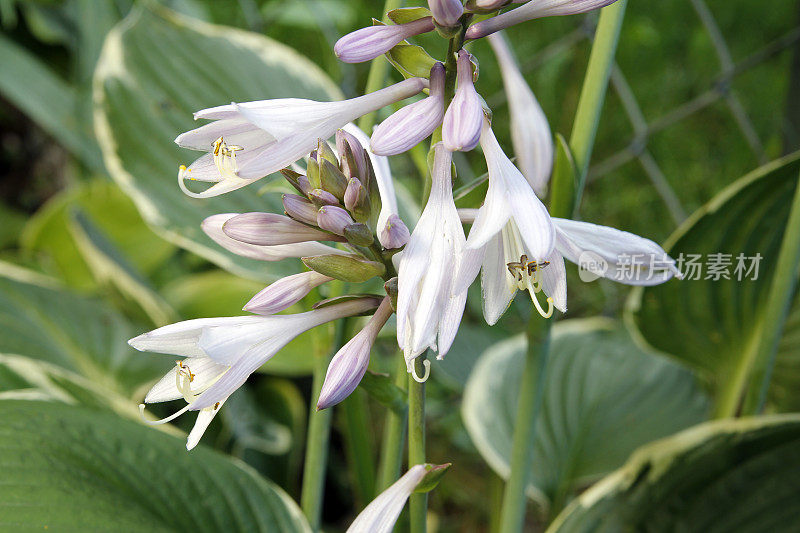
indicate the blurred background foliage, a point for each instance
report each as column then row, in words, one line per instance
column 98, row 244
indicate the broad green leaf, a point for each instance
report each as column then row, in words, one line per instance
column 731, row 475
column 47, row 99
column 110, row 268
column 79, row 334
column 77, row 469
column 25, row 377
column 47, row 233
column 156, row 69
column 711, row 324
column 604, row 397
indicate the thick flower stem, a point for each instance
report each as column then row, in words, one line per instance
column 319, row 429
column 394, row 432
column 593, row 93
column 781, row 293
column 377, row 73
column 581, row 143
column 528, row 408
column 418, row 503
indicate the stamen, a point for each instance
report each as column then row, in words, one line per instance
column 534, row 286
column 413, row 370
column 163, row 420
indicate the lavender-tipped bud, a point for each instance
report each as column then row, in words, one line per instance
column 463, row 120
column 350, row 363
column 284, row 293
column 300, row 209
column 486, row 6
column 395, row 234
column 333, row 219
column 446, row 12
column 356, row 200
column 321, row 197
column 359, row 234
column 270, row 229
column 354, row 159
column 413, row 123
column 368, row 43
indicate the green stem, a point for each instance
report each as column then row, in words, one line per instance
column 418, row 503
column 496, row 486
column 776, row 309
column 528, row 409
column 360, row 446
column 319, row 428
column 584, row 131
column 377, row 73
column 394, row 432
column 593, row 92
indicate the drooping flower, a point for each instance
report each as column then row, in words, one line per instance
column 370, row 42
column 428, row 313
column 382, row 513
column 603, row 251
column 212, row 226
column 221, row 353
column 284, row 293
column 461, row 128
column 530, row 132
column 350, row 363
column 249, row 141
column 410, row 125
column 533, row 9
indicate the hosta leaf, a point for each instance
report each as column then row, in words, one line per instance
column 731, row 475
column 76, row 469
column 155, row 70
column 79, row 334
column 604, row 397
column 711, row 324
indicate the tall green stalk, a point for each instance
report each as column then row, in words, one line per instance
column 418, row 503
column 394, row 432
column 377, row 73
column 584, row 132
column 319, row 428
column 781, row 294
column 360, row 445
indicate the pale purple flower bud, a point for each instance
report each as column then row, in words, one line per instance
column 284, row 293
column 413, row 123
column 368, row 43
column 353, row 193
column 395, row 234
column 360, row 156
column 533, row 10
column 333, row 219
column 446, row 12
column 304, row 184
column 486, row 6
column 464, row 117
column 350, row 363
column 269, row 229
column 322, row 197
column 300, row 208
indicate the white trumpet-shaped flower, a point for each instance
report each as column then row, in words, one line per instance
column 221, row 353
column 530, row 132
column 602, row 251
column 510, row 198
column 249, row 141
column 428, row 310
